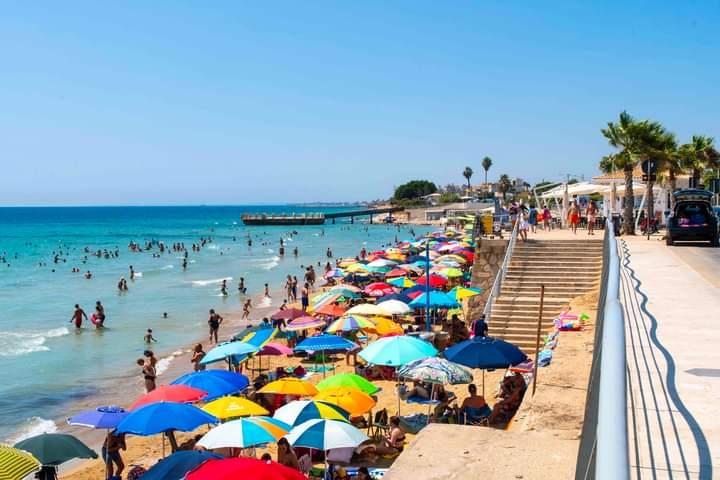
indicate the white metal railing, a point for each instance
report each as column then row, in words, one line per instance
column 500, row 277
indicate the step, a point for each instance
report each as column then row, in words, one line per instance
column 568, row 292
column 528, row 300
column 555, row 271
column 530, row 279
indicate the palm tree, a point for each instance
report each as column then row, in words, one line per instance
column 486, row 164
column 467, row 173
column 699, row 155
column 636, row 141
column 504, row 185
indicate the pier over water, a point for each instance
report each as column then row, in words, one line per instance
column 314, row 218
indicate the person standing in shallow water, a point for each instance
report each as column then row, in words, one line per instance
column 197, row 356
column 78, row 315
column 149, row 374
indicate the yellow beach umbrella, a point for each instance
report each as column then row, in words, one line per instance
column 356, row 268
column 290, row 386
column 353, row 400
column 384, row 327
column 16, row 464
column 233, row 407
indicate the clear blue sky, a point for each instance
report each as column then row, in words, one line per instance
column 138, row 102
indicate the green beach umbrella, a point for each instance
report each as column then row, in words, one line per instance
column 349, row 380
column 55, row 448
column 16, row 464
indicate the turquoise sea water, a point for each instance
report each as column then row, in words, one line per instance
column 46, row 364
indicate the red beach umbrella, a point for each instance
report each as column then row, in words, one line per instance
column 331, row 310
column 288, row 314
column 436, row 281
column 396, row 272
column 378, row 289
column 170, row 393
column 243, row 467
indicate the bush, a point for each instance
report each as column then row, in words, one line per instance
column 414, row 189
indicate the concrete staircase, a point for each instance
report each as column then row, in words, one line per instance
column 568, row 268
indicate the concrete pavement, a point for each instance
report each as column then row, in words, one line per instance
column 671, row 297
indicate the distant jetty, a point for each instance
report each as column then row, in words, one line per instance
column 314, row 218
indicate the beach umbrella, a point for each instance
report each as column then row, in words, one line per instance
column 382, row 270
column 394, row 296
column 304, row 323
column 170, row 393
column 401, row 282
column 260, row 337
column 250, row 330
column 436, row 370
column 378, row 289
column 55, row 448
column 356, row 268
column 227, row 350
column 448, row 263
column 244, row 433
column 217, row 383
column 105, row 417
column 245, row 468
column 396, row 272
column 397, row 351
column 437, row 299
column 334, row 273
column 385, row 327
column 452, row 272
column 233, row 407
column 177, row 465
column 325, row 435
column 382, row 262
column 352, row 400
column 485, row 353
column 436, row 281
column 325, row 342
column 163, row 417
column 349, row 323
column 346, row 262
column 350, row 380
column 461, row 293
column 275, row 349
column 300, row 411
column 331, row 310
column 290, row 386
column 16, row 464
column 365, row 309
column 346, row 286
column 394, row 307
column 454, row 257
column 288, row 314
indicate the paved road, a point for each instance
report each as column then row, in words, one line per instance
column 671, row 298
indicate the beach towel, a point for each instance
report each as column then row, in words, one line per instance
column 544, row 358
column 413, row 423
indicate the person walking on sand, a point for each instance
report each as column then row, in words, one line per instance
column 214, row 322
column 197, row 356
column 305, row 296
column 574, row 217
column 149, row 374
column 78, row 315
column 592, row 211
column 246, row 309
column 114, row 442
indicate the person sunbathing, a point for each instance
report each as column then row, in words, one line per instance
column 394, row 442
column 419, row 390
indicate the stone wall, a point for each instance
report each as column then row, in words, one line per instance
column 489, row 256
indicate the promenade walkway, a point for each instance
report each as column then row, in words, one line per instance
column 672, row 310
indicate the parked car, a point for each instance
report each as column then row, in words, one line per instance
column 693, row 218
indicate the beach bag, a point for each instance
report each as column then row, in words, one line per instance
column 544, row 358
column 135, row 473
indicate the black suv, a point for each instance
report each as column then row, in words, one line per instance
column 692, row 218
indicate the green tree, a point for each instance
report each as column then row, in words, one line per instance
column 636, row 140
column 699, row 155
column 414, row 189
column 486, row 164
column 467, row 173
column 504, row 185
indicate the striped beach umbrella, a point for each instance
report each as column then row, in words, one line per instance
column 436, row 370
column 349, row 323
column 402, row 282
column 300, row 411
column 325, row 435
column 244, row 433
column 304, row 323
column 16, row 464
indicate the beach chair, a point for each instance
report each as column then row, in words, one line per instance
column 379, row 426
column 476, row 416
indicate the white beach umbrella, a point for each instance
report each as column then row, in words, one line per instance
column 244, row 433
column 394, row 307
column 366, row 309
column 382, row 262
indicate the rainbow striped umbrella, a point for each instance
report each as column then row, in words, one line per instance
column 16, row 464
column 244, row 433
column 303, row 323
column 349, row 323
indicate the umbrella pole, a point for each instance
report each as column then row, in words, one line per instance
column 483, row 383
column 163, row 445
column 537, row 340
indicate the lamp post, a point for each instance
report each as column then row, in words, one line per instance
column 427, row 285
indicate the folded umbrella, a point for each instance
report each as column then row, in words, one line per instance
column 55, row 448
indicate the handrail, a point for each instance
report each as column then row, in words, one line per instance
column 612, row 460
column 500, row 277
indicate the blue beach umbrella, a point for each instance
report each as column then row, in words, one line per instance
column 437, row 299
column 300, row 411
column 163, row 417
column 217, row 383
column 244, row 433
column 106, row 417
column 177, row 465
column 485, row 352
column 395, row 296
column 325, row 342
column 227, row 350
column 325, row 435
column 397, row 351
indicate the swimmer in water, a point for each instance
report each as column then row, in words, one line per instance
column 149, row 336
column 78, row 315
column 223, row 288
column 99, row 315
column 132, row 273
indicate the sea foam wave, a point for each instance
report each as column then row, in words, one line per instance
column 270, row 264
column 13, row 344
column 32, row 427
column 205, row 283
